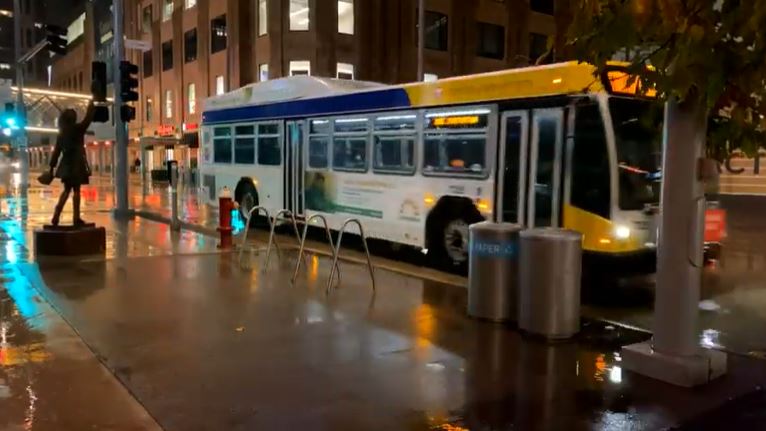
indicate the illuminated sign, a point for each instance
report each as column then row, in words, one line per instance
column 166, row 130
column 466, row 120
column 620, row 82
column 190, row 127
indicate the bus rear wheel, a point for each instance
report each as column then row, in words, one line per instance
column 447, row 237
column 246, row 196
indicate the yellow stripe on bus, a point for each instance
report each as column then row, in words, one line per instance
column 553, row 80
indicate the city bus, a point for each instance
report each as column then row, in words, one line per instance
column 544, row 146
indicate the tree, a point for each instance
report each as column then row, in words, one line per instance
column 707, row 61
column 707, row 53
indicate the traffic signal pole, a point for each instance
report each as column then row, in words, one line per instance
column 121, row 127
column 21, row 137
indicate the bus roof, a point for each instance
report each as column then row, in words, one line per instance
column 308, row 96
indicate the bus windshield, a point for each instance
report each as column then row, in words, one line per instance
column 638, row 135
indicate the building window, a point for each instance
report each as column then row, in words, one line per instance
column 430, row 77
column 346, row 16
column 220, row 85
column 190, row 45
column 299, row 15
column 167, row 55
column 218, row 34
column 437, row 31
column 5, row 66
column 190, row 3
column 191, row 97
column 148, row 64
column 263, row 72
column 542, row 6
column 490, row 40
column 300, row 68
column 263, row 17
column 538, row 46
column 167, row 10
column 168, row 104
column 345, row 71
column 146, row 19
column 148, row 107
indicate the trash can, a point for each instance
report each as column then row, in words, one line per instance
column 493, row 271
column 550, row 268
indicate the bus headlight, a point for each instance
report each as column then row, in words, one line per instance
column 622, row 232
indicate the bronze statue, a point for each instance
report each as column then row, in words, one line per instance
column 73, row 170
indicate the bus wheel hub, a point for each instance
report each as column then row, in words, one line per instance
column 456, row 240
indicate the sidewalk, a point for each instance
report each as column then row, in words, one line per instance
column 205, row 344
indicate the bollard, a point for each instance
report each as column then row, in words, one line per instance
column 225, row 205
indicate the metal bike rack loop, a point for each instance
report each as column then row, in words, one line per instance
column 303, row 242
column 279, row 216
column 336, row 252
column 247, row 227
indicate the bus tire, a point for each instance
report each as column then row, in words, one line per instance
column 246, row 195
column 447, row 233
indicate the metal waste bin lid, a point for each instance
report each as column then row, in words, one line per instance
column 550, row 234
column 488, row 226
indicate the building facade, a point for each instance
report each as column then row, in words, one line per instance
column 201, row 48
column 33, row 15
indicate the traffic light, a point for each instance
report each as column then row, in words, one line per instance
column 98, row 81
column 55, row 38
column 128, row 81
column 127, row 113
column 128, row 90
column 10, row 120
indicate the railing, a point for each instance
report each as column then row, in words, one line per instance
column 274, row 220
column 336, row 253
column 303, row 243
column 247, row 228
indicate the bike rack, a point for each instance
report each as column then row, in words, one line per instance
column 303, row 243
column 336, row 253
column 247, row 228
column 279, row 216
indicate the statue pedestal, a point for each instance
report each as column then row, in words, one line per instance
column 70, row 240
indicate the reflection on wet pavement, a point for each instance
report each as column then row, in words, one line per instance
column 49, row 380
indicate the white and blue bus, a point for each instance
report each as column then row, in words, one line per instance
column 418, row 163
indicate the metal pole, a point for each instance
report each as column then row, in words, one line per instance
column 120, row 161
column 421, row 37
column 21, row 138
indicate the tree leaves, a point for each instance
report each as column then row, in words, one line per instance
column 713, row 51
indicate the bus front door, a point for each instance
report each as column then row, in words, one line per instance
column 514, row 144
column 545, row 166
column 294, row 167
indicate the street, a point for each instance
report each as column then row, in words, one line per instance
column 167, row 332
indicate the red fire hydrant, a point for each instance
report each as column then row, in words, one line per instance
column 225, row 205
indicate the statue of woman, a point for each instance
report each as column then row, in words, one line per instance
column 73, row 170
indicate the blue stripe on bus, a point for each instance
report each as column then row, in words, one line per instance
column 367, row 101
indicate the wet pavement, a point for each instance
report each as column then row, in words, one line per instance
column 200, row 333
column 180, row 333
column 49, row 379
column 733, row 306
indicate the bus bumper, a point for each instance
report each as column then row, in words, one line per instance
column 642, row 262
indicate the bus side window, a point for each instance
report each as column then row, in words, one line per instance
column 590, row 163
column 222, row 151
column 318, row 146
column 269, row 148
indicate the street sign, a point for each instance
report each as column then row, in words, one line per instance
column 139, row 45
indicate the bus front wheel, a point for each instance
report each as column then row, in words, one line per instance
column 447, row 235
